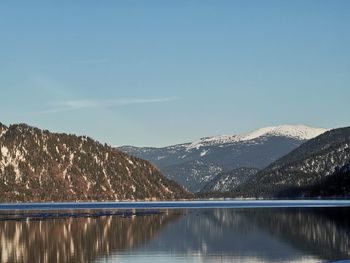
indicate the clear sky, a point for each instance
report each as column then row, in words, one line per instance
column 153, row 73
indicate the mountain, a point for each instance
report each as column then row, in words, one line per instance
column 316, row 164
column 194, row 164
column 36, row 165
column 192, row 174
column 334, row 185
column 228, row 181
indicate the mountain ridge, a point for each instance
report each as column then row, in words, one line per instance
column 304, row 167
column 36, row 165
column 195, row 163
column 299, row 131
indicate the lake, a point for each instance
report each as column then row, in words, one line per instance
column 207, row 231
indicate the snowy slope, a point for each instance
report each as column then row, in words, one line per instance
column 300, row 132
column 37, row 165
column 190, row 164
column 307, row 166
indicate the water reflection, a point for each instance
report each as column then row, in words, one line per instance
column 76, row 239
column 271, row 235
column 324, row 232
column 212, row 235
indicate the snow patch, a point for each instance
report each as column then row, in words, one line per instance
column 71, row 157
column 300, row 132
column 129, row 161
column 128, row 170
column 203, row 153
column 2, row 132
column 4, row 151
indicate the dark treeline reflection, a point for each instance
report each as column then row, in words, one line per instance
column 77, row 239
column 324, row 232
column 272, row 234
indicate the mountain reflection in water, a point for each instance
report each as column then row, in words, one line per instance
column 262, row 234
column 77, row 239
column 324, row 232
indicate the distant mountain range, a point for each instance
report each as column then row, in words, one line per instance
column 37, row 165
column 275, row 162
column 195, row 164
column 319, row 167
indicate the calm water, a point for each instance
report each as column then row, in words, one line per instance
column 258, row 232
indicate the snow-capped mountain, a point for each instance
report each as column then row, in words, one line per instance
column 300, row 132
column 318, row 167
column 255, row 149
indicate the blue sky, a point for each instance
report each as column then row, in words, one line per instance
column 153, row 73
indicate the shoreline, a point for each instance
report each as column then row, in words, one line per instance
column 198, row 204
